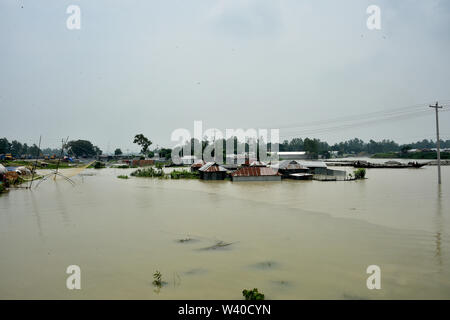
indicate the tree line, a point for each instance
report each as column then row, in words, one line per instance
column 79, row 148
column 85, row 148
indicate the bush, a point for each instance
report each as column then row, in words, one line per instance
column 184, row 174
column 99, row 165
column 252, row 294
column 148, row 173
column 122, row 177
column 360, row 173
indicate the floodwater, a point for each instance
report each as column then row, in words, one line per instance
column 210, row 240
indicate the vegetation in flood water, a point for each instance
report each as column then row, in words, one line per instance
column 149, row 172
column 185, row 240
column 252, row 294
column 360, row 173
column 184, row 174
column 97, row 165
column 122, row 177
column 157, row 279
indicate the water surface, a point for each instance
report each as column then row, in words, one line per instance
column 210, row 240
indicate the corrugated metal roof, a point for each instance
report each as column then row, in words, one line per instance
column 198, row 164
column 312, row 164
column 289, row 165
column 258, row 164
column 212, row 167
column 291, row 153
column 254, row 171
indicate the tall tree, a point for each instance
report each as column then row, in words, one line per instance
column 83, row 148
column 4, row 146
column 143, row 142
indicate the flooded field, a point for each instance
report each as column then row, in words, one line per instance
column 210, row 240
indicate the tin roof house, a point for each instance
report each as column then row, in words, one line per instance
column 257, row 171
column 293, row 169
column 212, row 171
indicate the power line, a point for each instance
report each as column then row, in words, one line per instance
column 385, row 119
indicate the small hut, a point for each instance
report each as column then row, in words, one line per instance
column 212, row 171
column 288, row 167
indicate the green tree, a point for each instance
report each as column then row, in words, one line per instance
column 83, row 148
column 143, row 142
column 118, row 152
column 405, row 148
column 16, row 148
column 5, row 146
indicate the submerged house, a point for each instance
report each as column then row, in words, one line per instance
column 287, row 167
column 292, row 169
column 257, row 171
column 321, row 172
column 212, row 171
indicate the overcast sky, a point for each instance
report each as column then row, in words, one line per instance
column 153, row 66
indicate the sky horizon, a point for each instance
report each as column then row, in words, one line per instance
column 311, row 68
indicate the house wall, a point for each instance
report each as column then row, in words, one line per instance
column 257, row 178
column 142, row 163
column 213, row 175
column 286, row 173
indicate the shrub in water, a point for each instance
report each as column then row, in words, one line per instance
column 252, row 294
column 360, row 173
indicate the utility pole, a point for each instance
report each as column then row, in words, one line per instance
column 436, row 108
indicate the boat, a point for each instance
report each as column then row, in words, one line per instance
column 388, row 165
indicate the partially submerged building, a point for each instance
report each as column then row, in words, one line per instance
column 321, row 172
column 257, row 171
column 287, row 167
column 212, row 171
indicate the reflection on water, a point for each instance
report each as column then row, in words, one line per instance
column 439, row 225
column 290, row 239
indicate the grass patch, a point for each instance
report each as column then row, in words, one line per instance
column 184, row 174
column 97, row 165
column 149, row 172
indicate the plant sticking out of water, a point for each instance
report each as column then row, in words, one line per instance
column 157, row 279
column 98, row 165
column 184, row 174
column 252, row 294
column 360, row 173
column 122, row 177
column 149, row 172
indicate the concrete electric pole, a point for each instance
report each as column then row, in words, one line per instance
column 438, row 151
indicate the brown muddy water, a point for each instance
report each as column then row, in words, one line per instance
column 289, row 239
